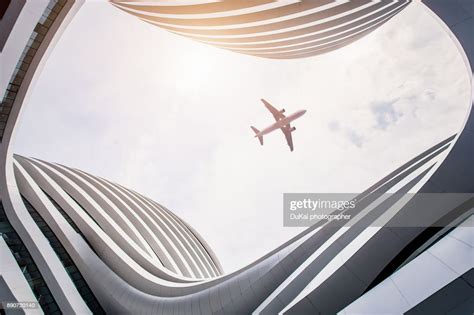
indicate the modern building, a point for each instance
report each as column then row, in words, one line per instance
column 77, row 243
column 270, row 29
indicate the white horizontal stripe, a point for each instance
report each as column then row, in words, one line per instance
column 164, row 225
column 272, row 32
column 193, row 256
column 113, row 254
column 44, row 256
column 108, row 226
column 171, row 252
column 183, row 228
column 186, row 247
column 100, row 200
column 348, row 33
column 220, row 14
column 134, row 218
column 276, row 41
column 261, row 22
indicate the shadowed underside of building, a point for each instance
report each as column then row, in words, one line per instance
column 77, row 243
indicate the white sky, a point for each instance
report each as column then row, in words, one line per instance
column 171, row 118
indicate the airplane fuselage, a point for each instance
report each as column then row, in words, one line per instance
column 281, row 123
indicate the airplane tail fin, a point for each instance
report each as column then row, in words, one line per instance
column 260, row 138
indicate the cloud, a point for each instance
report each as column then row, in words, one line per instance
column 385, row 114
column 354, row 137
column 431, row 95
column 334, row 125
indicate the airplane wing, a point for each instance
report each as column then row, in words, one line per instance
column 275, row 112
column 287, row 133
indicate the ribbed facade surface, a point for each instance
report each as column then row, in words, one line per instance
column 115, row 218
column 76, row 243
column 270, row 29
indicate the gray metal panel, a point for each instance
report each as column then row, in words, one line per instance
column 8, row 20
column 458, row 293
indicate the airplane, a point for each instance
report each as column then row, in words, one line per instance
column 282, row 122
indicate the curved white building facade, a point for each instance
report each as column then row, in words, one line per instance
column 269, row 29
column 119, row 220
column 77, row 243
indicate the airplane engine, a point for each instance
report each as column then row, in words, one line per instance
column 282, row 111
column 293, row 129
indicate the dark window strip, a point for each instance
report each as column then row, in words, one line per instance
column 69, row 220
column 49, row 15
column 27, row 265
column 71, row 268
